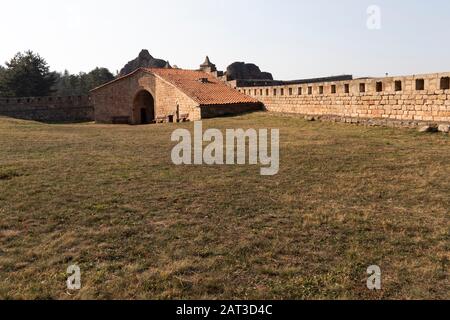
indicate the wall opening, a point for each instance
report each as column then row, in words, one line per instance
column 309, row 90
column 144, row 116
column 333, row 88
column 398, row 85
column 320, row 89
column 300, row 91
column 143, row 108
column 274, row 92
column 347, row 88
column 420, row 84
column 379, row 86
column 267, row 92
column 445, row 83
column 290, row 91
column 362, row 87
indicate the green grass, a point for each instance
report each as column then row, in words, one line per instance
column 109, row 199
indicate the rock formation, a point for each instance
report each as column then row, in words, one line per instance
column 246, row 71
column 144, row 60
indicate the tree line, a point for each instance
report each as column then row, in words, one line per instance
column 27, row 74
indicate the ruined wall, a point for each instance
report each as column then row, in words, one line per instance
column 48, row 109
column 410, row 99
column 116, row 99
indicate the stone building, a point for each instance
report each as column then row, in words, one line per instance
column 150, row 95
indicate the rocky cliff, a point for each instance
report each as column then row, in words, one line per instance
column 246, row 71
column 144, row 60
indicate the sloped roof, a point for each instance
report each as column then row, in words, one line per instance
column 210, row 92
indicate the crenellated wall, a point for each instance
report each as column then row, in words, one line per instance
column 49, row 109
column 419, row 98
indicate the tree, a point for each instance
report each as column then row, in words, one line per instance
column 2, row 72
column 80, row 84
column 99, row 76
column 27, row 75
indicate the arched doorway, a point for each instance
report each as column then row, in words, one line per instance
column 143, row 108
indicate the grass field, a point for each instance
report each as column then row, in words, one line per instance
column 109, row 199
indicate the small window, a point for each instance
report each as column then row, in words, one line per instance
column 309, row 90
column 282, row 92
column 347, row 88
column 267, row 92
column 362, row 87
column 261, row 92
column 333, row 88
column 379, row 86
column 420, row 84
column 274, row 92
column 300, row 91
column 320, row 89
column 398, row 85
column 445, row 83
column 290, row 91
column 256, row 92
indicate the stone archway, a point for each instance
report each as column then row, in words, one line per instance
column 143, row 108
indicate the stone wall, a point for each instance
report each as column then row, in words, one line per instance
column 409, row 99
column 48, row 109
column 115, row 100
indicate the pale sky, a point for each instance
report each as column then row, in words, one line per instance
column 293, row 39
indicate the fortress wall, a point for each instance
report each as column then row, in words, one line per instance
column 49, row 109
column 420, row 98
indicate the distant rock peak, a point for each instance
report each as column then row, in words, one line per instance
column 144, row 60
column 246, row 71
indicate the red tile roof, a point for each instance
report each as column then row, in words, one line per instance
column 211, row 92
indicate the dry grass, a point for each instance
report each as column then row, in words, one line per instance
column 108, row 199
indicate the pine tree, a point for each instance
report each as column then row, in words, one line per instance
column 27, row 75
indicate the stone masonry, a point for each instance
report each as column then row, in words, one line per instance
column 172, row 95
column 49, row 109
column 409, row 99
column 114, row 102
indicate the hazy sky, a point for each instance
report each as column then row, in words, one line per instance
column 290, row 38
